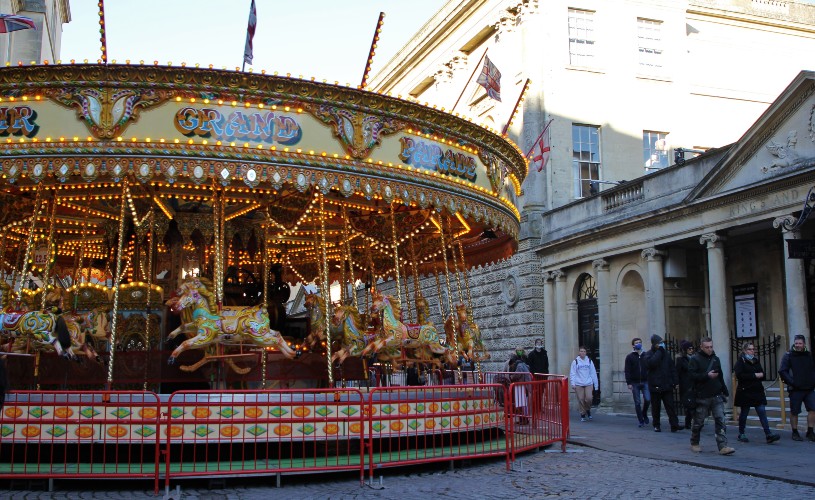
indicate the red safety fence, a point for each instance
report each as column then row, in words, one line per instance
column 63, row 434
column 121, row 434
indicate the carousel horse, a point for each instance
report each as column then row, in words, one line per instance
column 423, row 338
column 468, row 335
column 240, row 324
column 66, row 333
column 345, row 321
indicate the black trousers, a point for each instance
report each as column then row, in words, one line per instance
column 657, row 400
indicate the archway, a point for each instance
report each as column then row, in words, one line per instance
column 588, row 323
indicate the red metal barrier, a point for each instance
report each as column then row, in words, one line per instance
column 62, row 434
column 263, row 432
column 537, row 414
column 121, row 434
column 408, row 425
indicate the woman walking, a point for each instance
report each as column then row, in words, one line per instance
column 750, row 392
column 583, row 376
column 685, row 382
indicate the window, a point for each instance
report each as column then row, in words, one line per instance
column 581, row 37
column 649, row 40
column 585, row 157
column 654, row 150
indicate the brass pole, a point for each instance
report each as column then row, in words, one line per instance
column 117, row 283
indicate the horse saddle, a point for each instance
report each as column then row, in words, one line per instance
column 11, row 319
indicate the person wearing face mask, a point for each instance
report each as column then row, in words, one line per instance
column 636, row 376
column 538, row 359
column 661, row 382
column 750, row 392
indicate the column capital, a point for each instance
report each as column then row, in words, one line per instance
column 785, row 223
column 712, row 240
column 558, row 275
column 652, row 254
column 600, row 265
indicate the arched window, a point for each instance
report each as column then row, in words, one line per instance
column 587, row 289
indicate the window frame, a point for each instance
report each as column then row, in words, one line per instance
column 582, row 158
column 581, row 29
column 649, row 150
column 650, row 49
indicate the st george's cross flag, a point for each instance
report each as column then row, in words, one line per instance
column 490, row 79
column 540, row 149
column 250, row 34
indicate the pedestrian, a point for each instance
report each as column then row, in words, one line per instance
column 750, row 392
column 636, row 376
column 520, row 373
column 582, row 376
column 661, row 383
column 412, row 375
column 798, row 372
column 685, row 384
column 705, row 371
column 538, row 358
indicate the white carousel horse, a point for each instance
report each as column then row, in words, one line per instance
column 238, row 324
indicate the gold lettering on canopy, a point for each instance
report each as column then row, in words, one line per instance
column 266, row 126
column 18, row 121
column 431, row 156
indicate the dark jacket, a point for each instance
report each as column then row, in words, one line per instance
column 3, row 381
column 661, row 372
column 538, row 361
column 798, row 370
column 682, row 374
column 704, row 386
column 635, row 369
column 750, row 391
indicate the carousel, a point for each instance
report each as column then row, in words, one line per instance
column 155, row 219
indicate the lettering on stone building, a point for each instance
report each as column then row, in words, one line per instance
column 760, row 204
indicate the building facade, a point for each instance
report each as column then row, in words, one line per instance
column 632, row 92
column 42, row 44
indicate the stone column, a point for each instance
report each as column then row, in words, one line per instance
column 717, row 286
column 606, row 347
column 549, row 330
column 656, row 292
column 794, row 282
column 562, row 353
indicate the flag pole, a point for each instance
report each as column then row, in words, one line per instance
column 477, row 66
column 517, row 105
column 538, row 138
column 372, row 51
column 103, row 39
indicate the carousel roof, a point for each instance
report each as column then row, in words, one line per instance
column 303, row 164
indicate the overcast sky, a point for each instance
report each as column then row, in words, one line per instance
column 327, row 39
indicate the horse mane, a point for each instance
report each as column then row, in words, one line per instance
column 354, row 313
column 204, row 290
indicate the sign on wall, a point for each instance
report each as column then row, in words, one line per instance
column 745, row 310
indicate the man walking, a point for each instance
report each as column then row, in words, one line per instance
column 705, row 370
column 798, row 372
column 636, row 376
column 538, row 358
column 661, row 383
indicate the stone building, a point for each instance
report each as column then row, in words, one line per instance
column 630, row 89
column 42, row 44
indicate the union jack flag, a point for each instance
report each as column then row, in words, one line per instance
column 250, row 34
column 490, row 79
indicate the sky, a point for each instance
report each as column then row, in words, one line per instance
column 326, row 39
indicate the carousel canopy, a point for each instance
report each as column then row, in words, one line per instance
column 299, row 164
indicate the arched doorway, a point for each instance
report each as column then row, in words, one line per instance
column 588, row 324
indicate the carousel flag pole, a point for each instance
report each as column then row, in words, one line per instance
column 248, row 52
column 477, row 67
column 515, row 108
column 103, row 39
column 372, row 51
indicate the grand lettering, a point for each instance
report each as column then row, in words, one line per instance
column 431, row 156
column 19, row 121
column 267, row 127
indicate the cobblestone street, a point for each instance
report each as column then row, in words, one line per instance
column 581, row 472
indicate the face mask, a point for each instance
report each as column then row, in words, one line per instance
column 638, row 346
column 519, row 352
column 662, row 345
column 748, row 357
column 538, row 348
